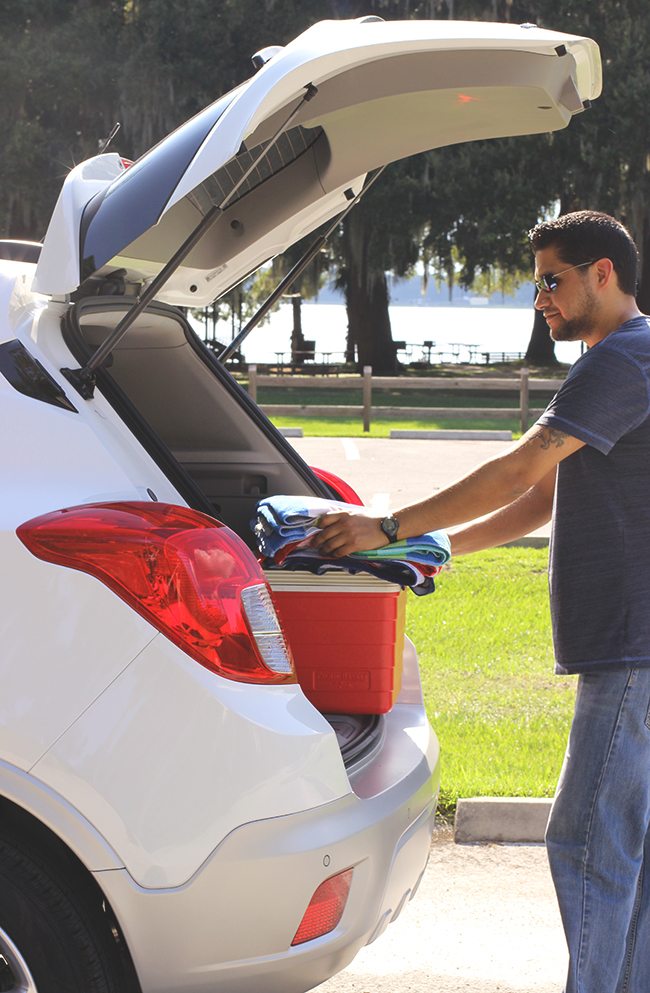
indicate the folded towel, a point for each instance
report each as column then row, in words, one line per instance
column 433, row 547
column 282, row 519
column 284, row 524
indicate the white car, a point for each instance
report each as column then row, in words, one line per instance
column 176, row 814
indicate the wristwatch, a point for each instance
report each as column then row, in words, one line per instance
column 390, row 527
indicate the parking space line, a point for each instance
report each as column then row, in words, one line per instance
column 350, row 449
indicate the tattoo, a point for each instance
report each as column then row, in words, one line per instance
column 549, row 437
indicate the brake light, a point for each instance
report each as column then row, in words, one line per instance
column 190, row 576
column 325, row 908
column 342, row 489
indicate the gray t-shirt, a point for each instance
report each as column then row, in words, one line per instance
column 599, row 574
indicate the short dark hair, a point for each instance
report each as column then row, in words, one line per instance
column 589, row 234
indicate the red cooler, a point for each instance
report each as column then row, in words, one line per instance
column 347, row 638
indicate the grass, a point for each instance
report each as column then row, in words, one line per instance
column 486, row 660
column 339, row 427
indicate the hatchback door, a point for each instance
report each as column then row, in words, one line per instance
column 275, row 158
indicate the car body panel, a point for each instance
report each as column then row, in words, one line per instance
column 59, row 816
column 239, row 753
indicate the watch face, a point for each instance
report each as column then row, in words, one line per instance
column 389, row 526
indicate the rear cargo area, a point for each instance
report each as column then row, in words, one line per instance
column 170, row 389
column 346, row 632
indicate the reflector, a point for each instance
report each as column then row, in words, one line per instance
column 325, row 908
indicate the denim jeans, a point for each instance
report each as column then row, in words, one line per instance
column 598, row 835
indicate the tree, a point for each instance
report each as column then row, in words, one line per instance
column 600, row 161
column 59, row 77
column 70, row 68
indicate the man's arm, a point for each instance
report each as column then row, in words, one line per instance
column 499, row 482
column 526, row 514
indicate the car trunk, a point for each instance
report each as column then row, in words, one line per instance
column 223, row 456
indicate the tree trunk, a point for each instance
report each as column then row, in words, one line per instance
column 366, row 297
column 369, row 322
column 297, row 337
column 541, row 347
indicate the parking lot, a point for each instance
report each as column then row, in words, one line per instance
column 389, row 473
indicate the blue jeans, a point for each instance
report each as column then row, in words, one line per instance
column 598, row 835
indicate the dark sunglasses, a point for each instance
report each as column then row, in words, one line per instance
column 548, row 282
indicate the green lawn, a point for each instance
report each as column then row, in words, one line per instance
column 486, row 659
column 339, row 427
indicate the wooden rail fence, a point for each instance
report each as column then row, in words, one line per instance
column 367, row 383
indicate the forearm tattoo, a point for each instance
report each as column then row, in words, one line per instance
column 549, row 437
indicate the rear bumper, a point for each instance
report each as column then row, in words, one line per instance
column 229, row 929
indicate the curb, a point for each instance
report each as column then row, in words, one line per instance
column 530, row 541
column 501, row 819
column 451, row 435
column 291, row 432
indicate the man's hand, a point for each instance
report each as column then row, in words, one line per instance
column 348, row 532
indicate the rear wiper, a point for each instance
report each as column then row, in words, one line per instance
column 84, row 379
column 297, row 269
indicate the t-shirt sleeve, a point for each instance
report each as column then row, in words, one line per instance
column 604, row 397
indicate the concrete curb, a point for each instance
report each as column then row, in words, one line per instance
column 530, row 541
column 452, row 435
column 291, row 432
column 501, row 819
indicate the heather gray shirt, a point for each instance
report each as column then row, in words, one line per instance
column 599, row 573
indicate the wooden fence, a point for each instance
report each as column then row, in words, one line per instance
column 367, row 383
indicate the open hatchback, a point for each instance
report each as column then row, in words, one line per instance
column 215, row 825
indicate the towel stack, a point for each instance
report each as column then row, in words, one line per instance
column 284, row 526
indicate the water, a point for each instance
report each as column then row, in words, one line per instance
column 485, row 328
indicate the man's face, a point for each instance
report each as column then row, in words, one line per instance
column 570, row 309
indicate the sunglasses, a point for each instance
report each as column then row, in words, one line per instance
column 548, row 282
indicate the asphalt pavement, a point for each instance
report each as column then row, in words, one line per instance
column 389, row 473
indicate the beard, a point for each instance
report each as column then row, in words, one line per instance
column 575, row 328
column 572, row 330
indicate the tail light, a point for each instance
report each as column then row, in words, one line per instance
column 190, row 576
column 342, row 489
column 325, row 908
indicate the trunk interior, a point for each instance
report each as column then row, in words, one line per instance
column 171, row 389
column 218, row 449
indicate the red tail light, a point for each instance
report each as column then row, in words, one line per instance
column 342, row 489
column 325, row 908
column 185, row 573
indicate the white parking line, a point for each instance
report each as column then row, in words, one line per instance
column 350, row 449
column 380, row 503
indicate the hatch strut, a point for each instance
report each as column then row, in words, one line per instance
column 84, row 379
column 297, row 269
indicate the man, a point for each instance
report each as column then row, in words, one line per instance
column 586, row 463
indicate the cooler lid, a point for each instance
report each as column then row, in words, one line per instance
column 339, row 581
column 379, row 91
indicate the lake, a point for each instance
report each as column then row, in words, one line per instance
column 486, row 328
